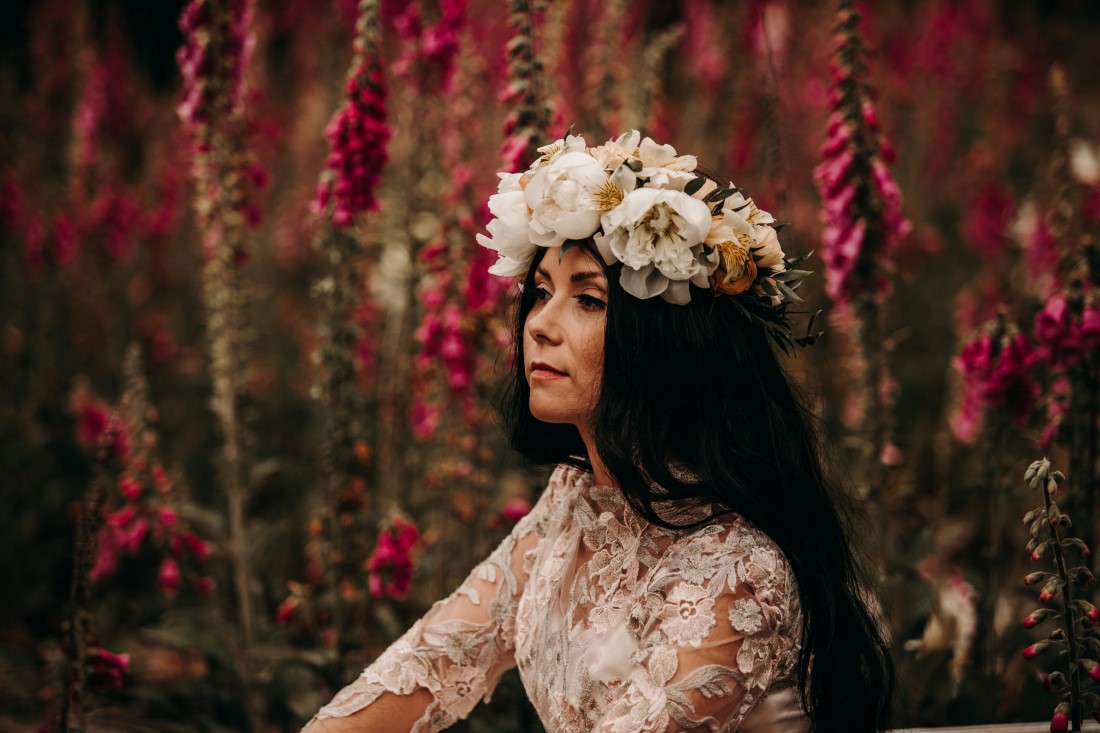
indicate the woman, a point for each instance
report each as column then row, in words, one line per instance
column 686, row 568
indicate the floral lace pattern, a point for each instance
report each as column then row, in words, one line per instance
column 616, row 625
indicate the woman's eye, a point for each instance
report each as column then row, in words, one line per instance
column 541, row 293
column 589, row 302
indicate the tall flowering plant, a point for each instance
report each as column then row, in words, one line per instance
column 213, row 62
column 529, row 118
column 997, row 376
column 1065, row 602
column 129, row 509
column 358, row 137
column 1067, row 327
column 863, row 224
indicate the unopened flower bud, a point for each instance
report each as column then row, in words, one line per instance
column 1032, row 578
column 1090, row 611
column 1050, row 589
column 1091, row 668
column 1059, row 723
column 1036, row 617
column 1036, row 649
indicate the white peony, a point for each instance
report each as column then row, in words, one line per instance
column 563, row 196
column 660, row 165
column 509, row 232
column 558, row 148
column 658, row 235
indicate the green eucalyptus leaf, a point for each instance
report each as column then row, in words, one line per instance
column 694, row 185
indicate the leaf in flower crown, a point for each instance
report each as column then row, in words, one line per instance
column 565, row 247
column 788, row 292
column 694, row 185
column 721, row 194
column 780, row 227
column 788, row 275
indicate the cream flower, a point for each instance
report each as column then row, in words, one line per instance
column 769, row 253
column 553, row 151
column 658, row 235
column 733, row 239
column 509, row 230
column 746, row 209
column 564, row 199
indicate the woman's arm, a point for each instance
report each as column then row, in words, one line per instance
column 388, row 713
column 450, row 659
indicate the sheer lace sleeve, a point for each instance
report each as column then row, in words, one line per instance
column 460, row 647
column 722, row 628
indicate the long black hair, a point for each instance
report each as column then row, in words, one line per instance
column 701, row 385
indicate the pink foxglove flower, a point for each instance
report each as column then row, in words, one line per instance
column 996, row 372
column 861, row 202
column 169, row 576
column 358, row 135
column 1064, row 337
column 390, row 566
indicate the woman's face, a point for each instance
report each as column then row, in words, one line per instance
column 563, row 337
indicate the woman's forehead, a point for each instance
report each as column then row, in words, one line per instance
column 575, row 265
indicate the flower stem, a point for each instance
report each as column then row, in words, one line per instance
column 1067, row 620
column 87, row 541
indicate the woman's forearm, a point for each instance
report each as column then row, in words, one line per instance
column 388, row 714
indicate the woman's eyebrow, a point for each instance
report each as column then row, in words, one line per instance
column 582, row 276
column 576, row 277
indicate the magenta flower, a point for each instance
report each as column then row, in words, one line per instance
column 390, row 565
column 106, row 670
column 987, row 223
column 995, row 374
column 358, row 136
column 861, row 203
column 515, row 510
column 425, row 418
column 1063, row 338
column 169, row 576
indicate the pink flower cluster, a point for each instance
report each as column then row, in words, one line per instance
column 125, row 531
column 995, row 375
column 443, row 338
column 106, row 670
column 358, row 135
column 1063, row 337
column 213, row 58
column 990, row 213
column 862, row 205
column 144, row 518
column 95, row 423
column 430, row 52
column 390, row 565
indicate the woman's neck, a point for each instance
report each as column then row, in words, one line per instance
column 600, row 475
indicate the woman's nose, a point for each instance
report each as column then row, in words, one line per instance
column 543, row 323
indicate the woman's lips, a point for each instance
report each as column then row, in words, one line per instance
column 543, row 371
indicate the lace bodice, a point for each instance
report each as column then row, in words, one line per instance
column 616, row 625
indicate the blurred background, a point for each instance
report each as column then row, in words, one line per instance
column 250, row 350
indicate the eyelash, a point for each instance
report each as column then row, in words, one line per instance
column 588, row 302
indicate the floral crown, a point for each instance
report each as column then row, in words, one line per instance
column 643, row 205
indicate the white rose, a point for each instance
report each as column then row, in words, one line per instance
column 560, row 197
column 509, row 230
column 657, row 234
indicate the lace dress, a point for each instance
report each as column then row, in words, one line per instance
column 616, row 624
